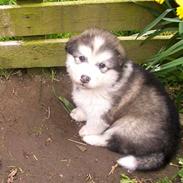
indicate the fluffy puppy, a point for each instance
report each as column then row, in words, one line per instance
column 125, row 107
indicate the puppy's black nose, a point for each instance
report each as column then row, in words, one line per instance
column 85, row 79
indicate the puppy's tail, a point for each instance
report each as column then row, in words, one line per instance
column 150, row 162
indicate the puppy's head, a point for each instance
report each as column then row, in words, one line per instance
column 94, row 59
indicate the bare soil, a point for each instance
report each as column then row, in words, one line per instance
column 35, row 133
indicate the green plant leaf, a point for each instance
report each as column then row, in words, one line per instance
column 165, row 53
column 150, row 36
column 172, row 40
column 172, row 20
column 181, row 27
column 168, row 4
column 68, row 106
column 155, row 22
column 126, row 179
column 164, row 180
column 180, row 173
column 172, row 64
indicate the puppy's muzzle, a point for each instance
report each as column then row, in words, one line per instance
column 85, row 79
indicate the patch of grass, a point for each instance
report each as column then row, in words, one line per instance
column 7, row 2
column 7, row 38
column 126, row 179
column 180, row 172
column 6, row 73
column 61, row 35
column 125, row 33
column 164, row 180
column 50, row 73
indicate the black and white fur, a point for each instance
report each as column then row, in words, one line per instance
column 125, row 108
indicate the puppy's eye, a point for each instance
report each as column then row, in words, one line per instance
column 82, row 59
column 101, row 65
column 103, row 68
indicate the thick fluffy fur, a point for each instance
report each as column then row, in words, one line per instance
column 125, row 108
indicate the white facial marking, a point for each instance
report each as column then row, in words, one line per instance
column 98, row 42
column 85, row 50
column 128, row 162
column 106, row 55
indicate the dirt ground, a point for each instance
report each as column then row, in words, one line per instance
column 36, row 134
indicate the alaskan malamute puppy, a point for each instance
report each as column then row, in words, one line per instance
column 125, row 108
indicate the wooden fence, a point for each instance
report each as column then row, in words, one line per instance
column 31, row 21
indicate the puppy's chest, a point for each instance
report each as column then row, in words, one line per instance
column 92, row 102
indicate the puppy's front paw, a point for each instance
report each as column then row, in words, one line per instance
column 90, row 139
column 86, row 130
column 78, row 115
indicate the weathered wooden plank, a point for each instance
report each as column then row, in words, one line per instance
column 73, row 16
column 51, row 53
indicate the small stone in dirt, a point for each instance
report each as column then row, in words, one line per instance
column 12, row 175
column 61, row 175
column 48, row 141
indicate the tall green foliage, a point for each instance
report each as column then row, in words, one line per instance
column 168, row 62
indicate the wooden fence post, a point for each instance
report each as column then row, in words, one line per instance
column 31, row 71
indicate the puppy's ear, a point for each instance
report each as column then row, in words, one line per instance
column 122, row 62
column 122, row 57
column 71, row 46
